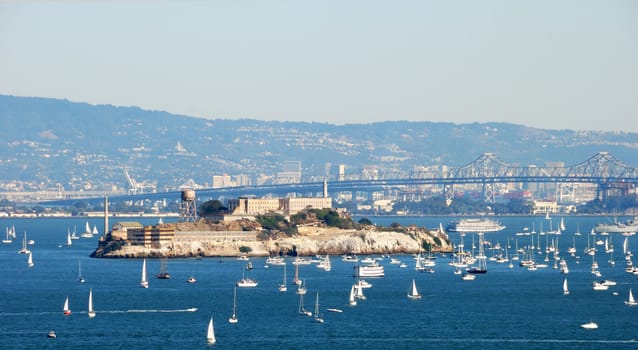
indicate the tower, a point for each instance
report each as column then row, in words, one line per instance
column 188, row 206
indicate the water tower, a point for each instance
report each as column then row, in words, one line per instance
column 188, row 206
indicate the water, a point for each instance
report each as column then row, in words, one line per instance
column 504, row 309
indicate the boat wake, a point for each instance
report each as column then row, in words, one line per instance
column 8, row 314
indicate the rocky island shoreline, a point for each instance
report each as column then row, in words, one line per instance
column 210, row 238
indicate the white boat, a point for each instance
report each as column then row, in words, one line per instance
column 24, row 249
column 589, row 325
column 91, row 312
column 302, row 310
column 351, row 299
column 282, row 286
column 565, row 288
column 475, row 225
column 414, row 293
column 468, row 277
column 371, row 270
column 51, row 334
column 245, row 282
column 87, row 231
column 73, row 235
column 65, row 309
column 144, row 279
column 30, row 259
column 275, row 260
column 325, row 263
column 210, row 333
column 618, row 227
column 7, row 239
column 350, row 258
column 80, row 277
column 296, row 279
column 630, row 300
column 358, row 292
column 95, row 231
column 233, row 318
column 191, row 280
column 318, row 316
column 301, row 289
column 68, row 239
column 600, row 286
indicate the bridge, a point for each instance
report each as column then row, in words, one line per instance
column 610, row 175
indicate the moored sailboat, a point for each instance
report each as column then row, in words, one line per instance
column 318, row 317
column 233, row 318
column 565, row 288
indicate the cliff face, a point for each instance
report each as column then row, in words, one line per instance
column 309, row 241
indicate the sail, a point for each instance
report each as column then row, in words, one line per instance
column 30, row 260
column 351, row 299
column 91, row 312
column 144, row 281
column 66, row 309
column 565, row 289
column 210, row 334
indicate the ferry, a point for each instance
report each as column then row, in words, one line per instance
column 370, row 270
column 618, row 227
column 475, row 225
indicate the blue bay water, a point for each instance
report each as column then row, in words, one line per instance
column 505, row 308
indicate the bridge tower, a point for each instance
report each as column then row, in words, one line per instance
column 188, row 206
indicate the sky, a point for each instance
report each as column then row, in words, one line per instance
column 542, row 63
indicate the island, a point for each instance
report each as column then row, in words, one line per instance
column 307, row 233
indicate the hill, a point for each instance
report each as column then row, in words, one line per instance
column 50, row 143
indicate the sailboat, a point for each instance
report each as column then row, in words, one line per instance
column 282, row 286
column 296, row 279
column 144, row 280
column 68, row 239
column 318, row 317
column 210, row 333
column 73, row 235
column 414, row 293
column 233, row 318
column 24, row 249
column 65, row 310
column 301, row 289
column 351, row 300
column 565, row 289
column 87, row 231
column 95, row 231
column 91, row 312
column 302, row 310
column 80, row 277
column 163, row 274
column 8, row 239
column 630, row 300
column 30, row 260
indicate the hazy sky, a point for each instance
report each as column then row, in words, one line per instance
column 550, row 64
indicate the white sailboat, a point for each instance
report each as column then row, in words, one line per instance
column 68, row 239
column 318, row 317
column 65, row 310
column 95, row 231
column 414, row 293
column 210, row 333
column 91, row 312
column 282, row 286
column 24, row 249
column 233, row 318
column 80, row 277
column 301, row 289
column 565, row 288
column 296, row 279
column 630, row 300
column 351, row 300
column 8, row 239
column 87, row 231
column 30, row 260
column 302, row 310
column 144, row 280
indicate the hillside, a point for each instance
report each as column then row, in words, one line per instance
column 48, row 143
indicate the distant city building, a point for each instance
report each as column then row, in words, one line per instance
column 291, row 172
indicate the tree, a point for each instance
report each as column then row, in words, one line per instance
column 212, row 207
